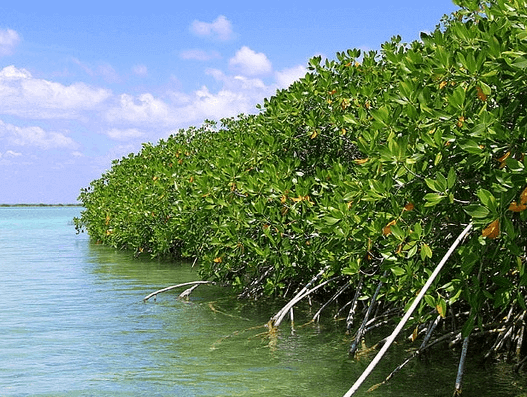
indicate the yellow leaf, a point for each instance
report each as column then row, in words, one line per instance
column 481, row 95
column 492, row 230
column 314, row 134
column 442, row 85
column 503, row 158
column 414, row 334
column 217, row 260
column 361, row 161
column 440, row 310
column 386, row 230
column 409, row 207
column 523, row 196
column 514, row 207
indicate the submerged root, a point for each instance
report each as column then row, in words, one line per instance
column 215, row 345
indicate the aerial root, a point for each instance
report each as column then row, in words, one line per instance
column 407, row 315
column 184, row 294
column 510, row 337
column 316, row 317
column 351, row 314
column 423, row 347
column 361, row 331
column 461, row 368
column 278, row 317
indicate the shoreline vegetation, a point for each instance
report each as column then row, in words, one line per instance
column 348, row 187
column 40, row 205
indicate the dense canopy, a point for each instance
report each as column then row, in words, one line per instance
column 363, row 171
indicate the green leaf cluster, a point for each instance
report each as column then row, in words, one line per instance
column 371, row 162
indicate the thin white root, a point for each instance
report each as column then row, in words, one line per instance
column 403, row 321
column 194, row 283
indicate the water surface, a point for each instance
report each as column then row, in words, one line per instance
column 73, row 323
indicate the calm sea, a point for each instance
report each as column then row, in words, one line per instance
column 73, row 323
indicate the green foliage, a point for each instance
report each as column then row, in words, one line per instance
column 371, row 162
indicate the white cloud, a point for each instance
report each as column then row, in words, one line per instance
column 105, row 70
column 250, row 63
column 238, row 94
column 23, row 95
column 126, row 134
column 12, row 73
column 10, row 154
column 108, row 73
column 239, row 83
column 220, row 28
column 144, row 108
column 199, row 55
column 225, row 103
column 34, row 136
column 89, row 71
column 9, row 39
column 140, row 70
column 285, row 77
column 179, row 98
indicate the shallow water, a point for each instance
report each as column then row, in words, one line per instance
column 73, row 323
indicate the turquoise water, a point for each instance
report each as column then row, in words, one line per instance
column 73, row 323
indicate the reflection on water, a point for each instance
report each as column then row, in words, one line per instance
column 73, row 323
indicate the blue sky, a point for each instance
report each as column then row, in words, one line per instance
column 82, row 83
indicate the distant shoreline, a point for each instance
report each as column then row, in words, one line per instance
column 40, row 205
